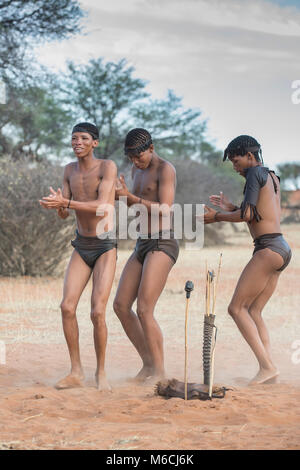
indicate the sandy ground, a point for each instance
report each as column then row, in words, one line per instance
column 34, row 415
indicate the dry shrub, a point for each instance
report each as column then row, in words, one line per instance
column 33, row 240
column 195, row 183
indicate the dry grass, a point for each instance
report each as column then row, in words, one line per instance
column 30, row 306
column 34, row 415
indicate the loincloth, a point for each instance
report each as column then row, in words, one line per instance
column 170, row 246
column 90, row 248
column 276, row 243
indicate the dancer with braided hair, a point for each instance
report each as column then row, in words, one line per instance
column 156, row 251
column 261, row 210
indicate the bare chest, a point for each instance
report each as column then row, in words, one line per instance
column 84, row 185
column 145, row 184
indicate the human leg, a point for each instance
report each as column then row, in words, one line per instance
column 103, row 276
column 76, row 278
column 256, row 308
column 156, row 268
column 251, row 284
column 125, row 297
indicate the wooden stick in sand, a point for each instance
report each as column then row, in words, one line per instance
column 217, row 282
column 189, row 286
column 206, row 291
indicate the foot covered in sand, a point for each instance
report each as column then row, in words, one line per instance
column 144, row 373
column 156, row 376
column 71, row 381
column 265, row 376
column 153, row 379
column 102, row 383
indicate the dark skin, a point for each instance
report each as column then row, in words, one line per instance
column 154, row 182
column 90, row 182
column 259, row 278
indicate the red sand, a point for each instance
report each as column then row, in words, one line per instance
column 34, row 415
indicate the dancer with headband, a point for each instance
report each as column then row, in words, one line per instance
column 260, row 208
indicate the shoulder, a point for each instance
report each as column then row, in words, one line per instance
column 69, row 168
column 257, row 174
column 166, row 169
column 107, row 167
column 109, row 164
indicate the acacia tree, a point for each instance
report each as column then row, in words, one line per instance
column 111, row 97
column 39, row 127
column 178, row 132
column 24, row 23
column 103, row 93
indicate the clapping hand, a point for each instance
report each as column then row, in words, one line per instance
column 55, row 199
column 221, row 201
column 121, row 188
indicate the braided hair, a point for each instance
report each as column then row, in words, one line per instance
column 242, row 145
column 137, row 140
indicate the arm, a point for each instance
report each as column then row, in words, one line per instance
column 211, row 216
column 166, row 190
column 63, row 212
column 233, row 216
column 256, row 178
column 167, row 185
column 123, row 191
column 105, row 187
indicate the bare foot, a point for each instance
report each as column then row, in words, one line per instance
column 71, row 381
column 102, row 383
column 154, row 378
column 146, row 371
column 264, row 376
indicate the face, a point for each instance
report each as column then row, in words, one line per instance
column 83, row 143
column 143, row 159
column 241, row 162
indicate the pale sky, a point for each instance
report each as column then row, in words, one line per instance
column 235, row 60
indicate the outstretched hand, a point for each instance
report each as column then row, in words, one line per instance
column 221, row 201
column 55, row 199
column 209, row 215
